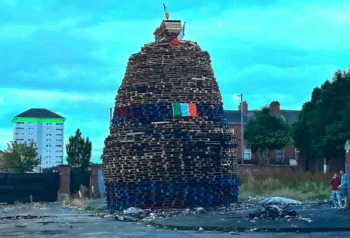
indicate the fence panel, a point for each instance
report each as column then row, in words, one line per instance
column 19, row 187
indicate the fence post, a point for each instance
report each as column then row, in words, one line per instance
column 64, row 185
column 94, row 168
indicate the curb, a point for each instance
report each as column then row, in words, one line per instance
column 244, row 229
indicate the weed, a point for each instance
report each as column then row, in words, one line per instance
column 299, row 185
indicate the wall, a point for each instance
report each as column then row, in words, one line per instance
column 65, row 180
column 265, row 171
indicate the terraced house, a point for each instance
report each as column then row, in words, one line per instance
column 287, row 156
column 46, row 129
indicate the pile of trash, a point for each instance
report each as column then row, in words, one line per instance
column 133, row 214
column 273, row 212
column 279, row 200
column 275, row 208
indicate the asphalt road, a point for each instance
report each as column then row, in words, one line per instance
column 57, row 220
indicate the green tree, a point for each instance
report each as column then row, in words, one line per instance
column 323, row 124
column 19, row 157
column 266, row 132
column 78, row 151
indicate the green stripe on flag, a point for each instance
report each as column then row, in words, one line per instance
column 177, row 109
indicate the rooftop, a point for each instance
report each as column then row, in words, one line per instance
column 39, row 113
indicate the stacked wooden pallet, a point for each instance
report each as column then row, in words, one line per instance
column 152, row 158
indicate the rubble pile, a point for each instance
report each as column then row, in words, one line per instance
column 134, row 214
column 169, row 146
column 273, row 212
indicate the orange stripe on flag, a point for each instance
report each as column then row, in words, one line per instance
column 175, row 41
column 193, row 110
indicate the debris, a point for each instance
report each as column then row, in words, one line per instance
column 273, row 212
column 22, row 217
column 279, row 200
column 200, row 210
column 46, row 222
column 133, row 210
column 127, row 218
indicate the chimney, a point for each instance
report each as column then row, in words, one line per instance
column 275, row 107
column 167, row 31
column 245, row 107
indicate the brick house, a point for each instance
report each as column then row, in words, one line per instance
column 287, row 155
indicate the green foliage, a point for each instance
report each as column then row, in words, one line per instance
column 266, row 132
column 78, row 151
column 324, row 122
column 19, row 158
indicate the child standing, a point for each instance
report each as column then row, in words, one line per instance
column 335, row 182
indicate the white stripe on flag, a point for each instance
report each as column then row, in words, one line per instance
column 185, row 111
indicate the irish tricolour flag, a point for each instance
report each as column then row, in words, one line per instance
column 184, row 109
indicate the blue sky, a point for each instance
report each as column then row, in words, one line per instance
column 69, row 56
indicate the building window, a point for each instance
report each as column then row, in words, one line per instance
column 48, row 139
column 20, row 134
column 58, row 151
column 48, row 134
column 59, row 145
column 59, row 140
column 48, row 123
column 48, row 145
column 279, row 155
column 19, row 128
column 18, row 123
column 59, row 123
column 247, row 154
column 59, row 134
column 59, row 129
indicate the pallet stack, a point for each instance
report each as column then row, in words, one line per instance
column 155, row 159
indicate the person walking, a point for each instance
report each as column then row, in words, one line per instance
column 335, row 182
column 343, row 187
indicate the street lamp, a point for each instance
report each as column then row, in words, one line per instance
column 236, row 96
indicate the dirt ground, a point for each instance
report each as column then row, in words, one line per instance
column 57, row 220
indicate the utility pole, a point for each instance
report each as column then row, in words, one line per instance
column 242, row 129
column 235, row 96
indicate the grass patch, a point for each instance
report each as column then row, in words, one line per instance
column 299, row 186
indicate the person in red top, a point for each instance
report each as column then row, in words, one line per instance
column 335, row 182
